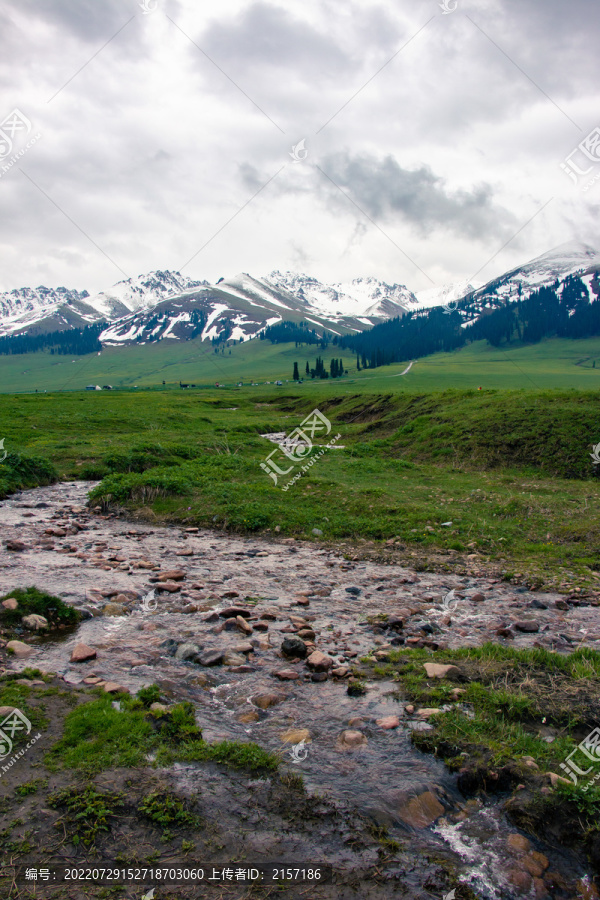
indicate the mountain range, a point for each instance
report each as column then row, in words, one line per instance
column 167, row 305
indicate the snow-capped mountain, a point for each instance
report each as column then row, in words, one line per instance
column 142, row 292
column 544, row 270
column 168, row 305
column 18, row 302
column 362, row 298
column 43, row 309
column 448, row 293
column 238, row 308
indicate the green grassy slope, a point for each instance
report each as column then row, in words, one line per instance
column 504, row 475
column 550, row 364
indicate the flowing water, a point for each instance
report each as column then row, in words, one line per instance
column 90, row 555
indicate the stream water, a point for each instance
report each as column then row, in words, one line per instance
column 89, row 560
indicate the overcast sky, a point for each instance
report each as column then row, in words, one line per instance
column 431, row 140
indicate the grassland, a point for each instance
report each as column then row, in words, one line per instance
column 552, row 364
column 454, row 480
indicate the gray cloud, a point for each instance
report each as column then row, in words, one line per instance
column 268, row 36
column 89, row 20
column 385, row 190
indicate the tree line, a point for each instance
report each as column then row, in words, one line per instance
column 72, row 342
column 564, row 310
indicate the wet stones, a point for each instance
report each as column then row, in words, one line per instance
column 172, row 587
column 19, row 649
column 243, row 626
column 16, row 546
column 82, row 653
column 351, row 740
column 294, row 647
column 306, row 634
column 319, row 662
column 232, row 612
column 388, row 722
column 171, row 575
column 231, row 658
column 286, row 674
column 211, row 658
column 187, row 651
column 353, row 591
column 504, row 633
column 268, row 699
column 477, row 598
column 35, row 622
column 421, row 811
column 114, row 609
column 527, row 626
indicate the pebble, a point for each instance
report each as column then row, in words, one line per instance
column 388, row 722
column 211, row 658
column 16, row 546
column 35, row 622
column 111, row 687
column 527, row 626
column 187, row 651
column 266, row 700
column 436, row 670
column 82, row 653
column 421, row 811
column 10, row 603
column 286, row 674
column 113, row 609
column 171, row 575
column 319, row 662
column 231, row 612
column 351, row 739
column 243, row 626
column 294, row 647
column 20, row 649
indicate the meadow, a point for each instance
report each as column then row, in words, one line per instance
column 557, row 364
column 459, row 480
